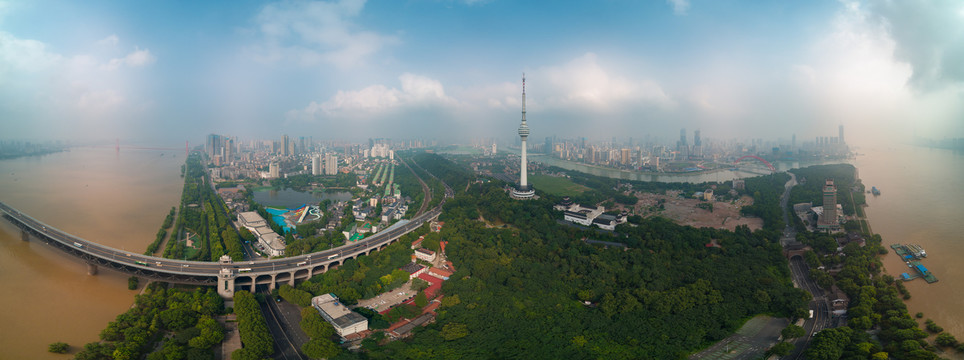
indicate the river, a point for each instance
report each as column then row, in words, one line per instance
column 921, row 202
column 117, row 199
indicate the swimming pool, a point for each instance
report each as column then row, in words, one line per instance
column 277, row 215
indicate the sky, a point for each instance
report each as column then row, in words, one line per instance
column 163, row 72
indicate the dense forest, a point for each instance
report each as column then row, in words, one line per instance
column 203, row 213
column 182, row 322
column 534, row 289
column 810, row 183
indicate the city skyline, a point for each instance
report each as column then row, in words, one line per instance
column 166, row 72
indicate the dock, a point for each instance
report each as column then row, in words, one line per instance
column 910, row 253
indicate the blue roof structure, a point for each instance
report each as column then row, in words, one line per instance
column 922, row 269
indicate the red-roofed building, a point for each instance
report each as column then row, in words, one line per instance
column 434, row 287
column 440, row 273
column 432, row 306
column 418, row 242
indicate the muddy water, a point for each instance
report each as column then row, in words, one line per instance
column 921, row 202
column 117, row 199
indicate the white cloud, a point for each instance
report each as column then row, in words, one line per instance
column 111, row 40
column 25, row 54
column 309, row 33
column 416, row 91
column 928, row 35
column 582, row 82
column 137, row 58
column 679, row 6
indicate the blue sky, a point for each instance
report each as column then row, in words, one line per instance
column 159, row 72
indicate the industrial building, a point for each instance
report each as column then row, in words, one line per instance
column 345, row 321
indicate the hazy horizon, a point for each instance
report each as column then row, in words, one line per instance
column 167, row 72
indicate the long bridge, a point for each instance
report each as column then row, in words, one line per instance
column 227, row 275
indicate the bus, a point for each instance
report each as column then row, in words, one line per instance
column 301, row 263
column 141, row 263
column 332, row 256
column 811, row 314
column 77, row 244
column 244, row 270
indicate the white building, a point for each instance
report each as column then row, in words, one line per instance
column 331, row 164
column 345, row 321
column 273, row 171
column 425, row 254
column 582, row 215
column 316, row 165
column 272, row 243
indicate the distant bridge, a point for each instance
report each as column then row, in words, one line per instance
column 226, row 275
column 767, row 163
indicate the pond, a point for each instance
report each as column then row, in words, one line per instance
column 291, row 199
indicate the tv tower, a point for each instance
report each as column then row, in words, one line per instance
column 524, row 191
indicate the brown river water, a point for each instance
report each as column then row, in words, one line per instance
column 921, row 202
column 116, row 199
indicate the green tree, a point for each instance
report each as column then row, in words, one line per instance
column 211, row 333
column 420, row 299
column 781, row 349
column 452, row 331
column 792, row 331
column 946, row 340
column 132, row 283
column 58, row 348
column 320, row 349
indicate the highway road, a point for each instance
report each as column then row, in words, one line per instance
column 212, row 269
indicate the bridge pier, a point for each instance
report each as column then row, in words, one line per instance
column 226, row 284
column 24, row 235
column 91, row 269
column 274, row 280
column 291, row 279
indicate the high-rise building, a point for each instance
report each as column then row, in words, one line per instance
column 681, row 147
column 331, row 164
column 273, row 171
column 828, row 220
column 548, row 146
column 841, row 135
column 524, row 191
column 624, row 156
column 316, row 165
column 697, row 145
column 284, row 145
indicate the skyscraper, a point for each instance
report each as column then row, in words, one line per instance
column 331, row 164
column 828, row 220
column 841, row 135
column 284, row 145
column 681, row 147
column 316, row 165
column 524, row 191
column 697, row 145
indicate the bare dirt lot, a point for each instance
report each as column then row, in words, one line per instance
column 687, row 211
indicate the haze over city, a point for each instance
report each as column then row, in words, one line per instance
column 164, row 72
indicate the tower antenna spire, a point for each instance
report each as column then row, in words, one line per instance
column 523, row 98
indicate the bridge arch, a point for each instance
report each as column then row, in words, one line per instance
column 319, row 269
column 767, row 163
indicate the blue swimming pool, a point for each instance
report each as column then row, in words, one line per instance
column 277, row 215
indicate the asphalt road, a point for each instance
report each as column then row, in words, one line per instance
column 285, row 347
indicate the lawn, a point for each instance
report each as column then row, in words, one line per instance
column 556, row 185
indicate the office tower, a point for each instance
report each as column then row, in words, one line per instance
column 828, row 220
column 316, row 165
column 331, row 164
